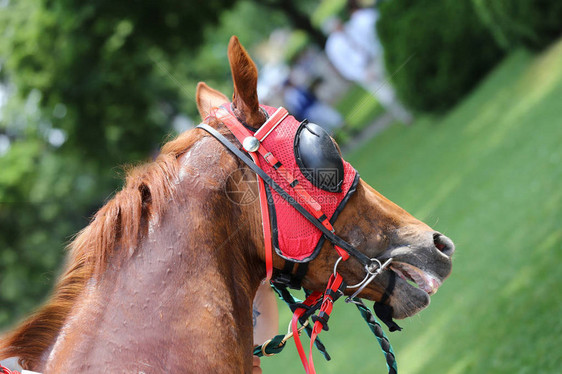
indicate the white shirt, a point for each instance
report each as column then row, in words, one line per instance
column 353, row 49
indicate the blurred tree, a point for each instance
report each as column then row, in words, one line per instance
column 435, row 50
column 298, row 16
column 97, row 60
column 530, row 23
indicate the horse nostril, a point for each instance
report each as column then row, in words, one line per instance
column 444, row 244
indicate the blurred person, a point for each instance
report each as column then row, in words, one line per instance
column 303, row 104
column 355, row 51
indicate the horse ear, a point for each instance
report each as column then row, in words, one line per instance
column 245, row 78
column 207, row 99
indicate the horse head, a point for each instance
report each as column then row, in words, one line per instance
column 377, row 227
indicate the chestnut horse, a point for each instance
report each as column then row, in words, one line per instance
column 163, row 278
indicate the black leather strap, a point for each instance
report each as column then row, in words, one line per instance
column 384, row 311
column 362, row 258
column 285, row 276
column 389, row 288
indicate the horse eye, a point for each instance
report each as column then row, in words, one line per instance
column 318, row 157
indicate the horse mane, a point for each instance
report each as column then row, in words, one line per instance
column 119, row 224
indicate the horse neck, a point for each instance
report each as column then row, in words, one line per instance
column 181, row 303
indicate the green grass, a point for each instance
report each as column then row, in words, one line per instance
column 489, row 175
column 359, row 107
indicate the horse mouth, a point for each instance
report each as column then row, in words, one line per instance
column 416, row 277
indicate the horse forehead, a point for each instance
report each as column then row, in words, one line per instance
column 204, row 165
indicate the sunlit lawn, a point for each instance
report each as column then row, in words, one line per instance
column 489, row 175
column 358, row 108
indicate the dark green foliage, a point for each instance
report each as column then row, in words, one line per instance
column 435, row 50
column 530, row 23
column 99, row 60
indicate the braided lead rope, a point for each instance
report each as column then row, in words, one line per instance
column 379, row 334
column 271, row 347
column 293, row 303
column 276, row 344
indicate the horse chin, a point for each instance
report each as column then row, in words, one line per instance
column 413, row 287
column 407, row 300
column 418, row 274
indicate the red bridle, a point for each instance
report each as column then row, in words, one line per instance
column 301, row 200
column 271, row 150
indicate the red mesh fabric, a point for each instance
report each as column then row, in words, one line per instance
column 297, row 237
